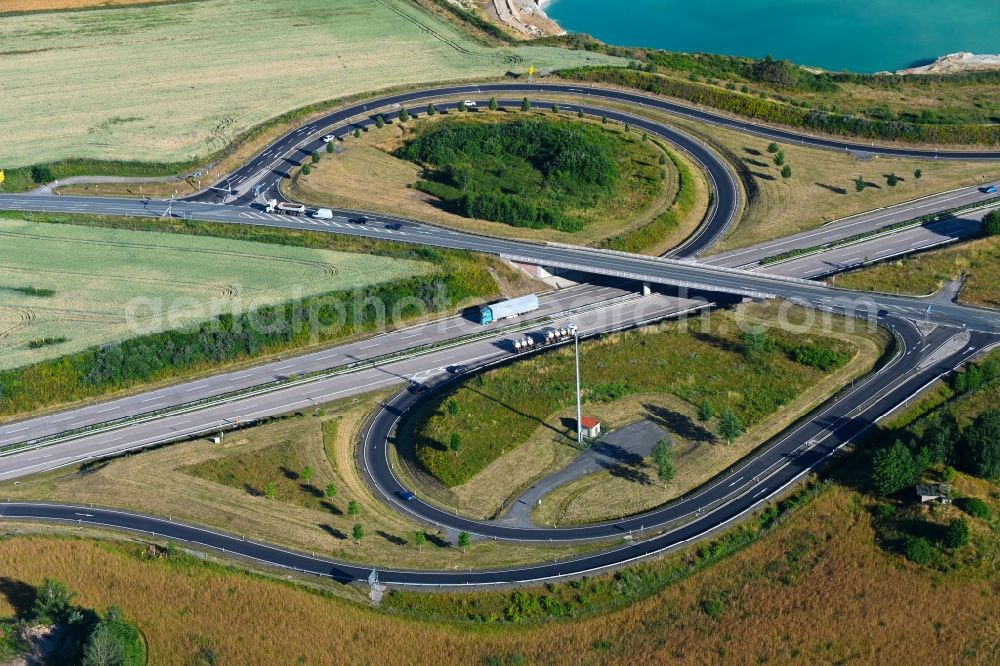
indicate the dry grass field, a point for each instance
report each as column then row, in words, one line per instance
column 164, row 83
column 225, row 486
column 11, row 6
column 821, row 188
column 55, row 282
column 818, row 590
column 813, row 196
column 977, row 262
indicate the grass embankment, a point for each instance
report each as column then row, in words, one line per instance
column 822, row 186
column 255, row 483
column 649, row 205
column 515, row 424
column 92, row 286
column 977, row 262
column 805, row 573
column 147, row 113
column 227, row 340
column 16, row 6
column 957, row 108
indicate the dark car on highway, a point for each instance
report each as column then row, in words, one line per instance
column 406, row 495
column 394, row 226
column 459, row 369
column 416, row 387
column 361, row 219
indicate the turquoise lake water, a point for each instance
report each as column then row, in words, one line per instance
column 867, row 36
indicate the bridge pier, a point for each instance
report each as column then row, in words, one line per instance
column 646, row 291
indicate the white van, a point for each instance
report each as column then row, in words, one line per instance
column 323, row 214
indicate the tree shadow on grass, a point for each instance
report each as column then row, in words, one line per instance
column 331, row 507
column 332, row 531
column 628, row 472
column 310, row 489
column 679, row 424
column 832, row 188
column 289, row 474
column 752, row 151
column 756, row 163
column 762, row 176
column 251, row 490
column 20, row 595
column 391, row 538
column 437, row 540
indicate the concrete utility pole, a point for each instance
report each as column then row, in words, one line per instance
column 579, row 410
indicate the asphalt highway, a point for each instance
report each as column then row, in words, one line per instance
column 711, row 507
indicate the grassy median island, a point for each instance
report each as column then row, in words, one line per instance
column 532, row 172
column 529, row 164
column 211, row 286
column 515, row 424
column 976, row 262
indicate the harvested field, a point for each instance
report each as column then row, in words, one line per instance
column 12, row 6
column 163, row 83
column 94, row 285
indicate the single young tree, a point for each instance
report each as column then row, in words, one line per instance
column 604, row 120
column 645, row 137
column 525, row 104
column 756, row 343
column 306, row 170
column 357, row 133
column 579, row 114
column 330, row 491
column 464, row 539
column 493, row 104
column 103, row 648
column 461, row 107
column 379, row 121
column 628, row 128
column 893, row 468
column 315, row 158
column 404, row 115
column 730, row 425
column 53, row 603
column 918, row 550
column 892, row 179
column 705, row 411
column 419, row 539
column 555, row 108
column 771, row 147
column 358, row 532
column 664, row 465
column 991, row 223
column 786, row 171
column 353, row 509
column 329, row 147
column 431, row 109
column 779, row 158
column 307, row 473
column 918, row 174
column 455, row 443
column 663, row 160
column 452, row 408
column 957, row 534
column 860, row 184
column 271, row 490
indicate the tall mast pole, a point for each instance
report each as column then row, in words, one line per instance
column 579, row 410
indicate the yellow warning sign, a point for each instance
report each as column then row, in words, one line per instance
column 2, row 176
column 531, row 70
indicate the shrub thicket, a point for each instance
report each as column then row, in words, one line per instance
column 526, row 172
